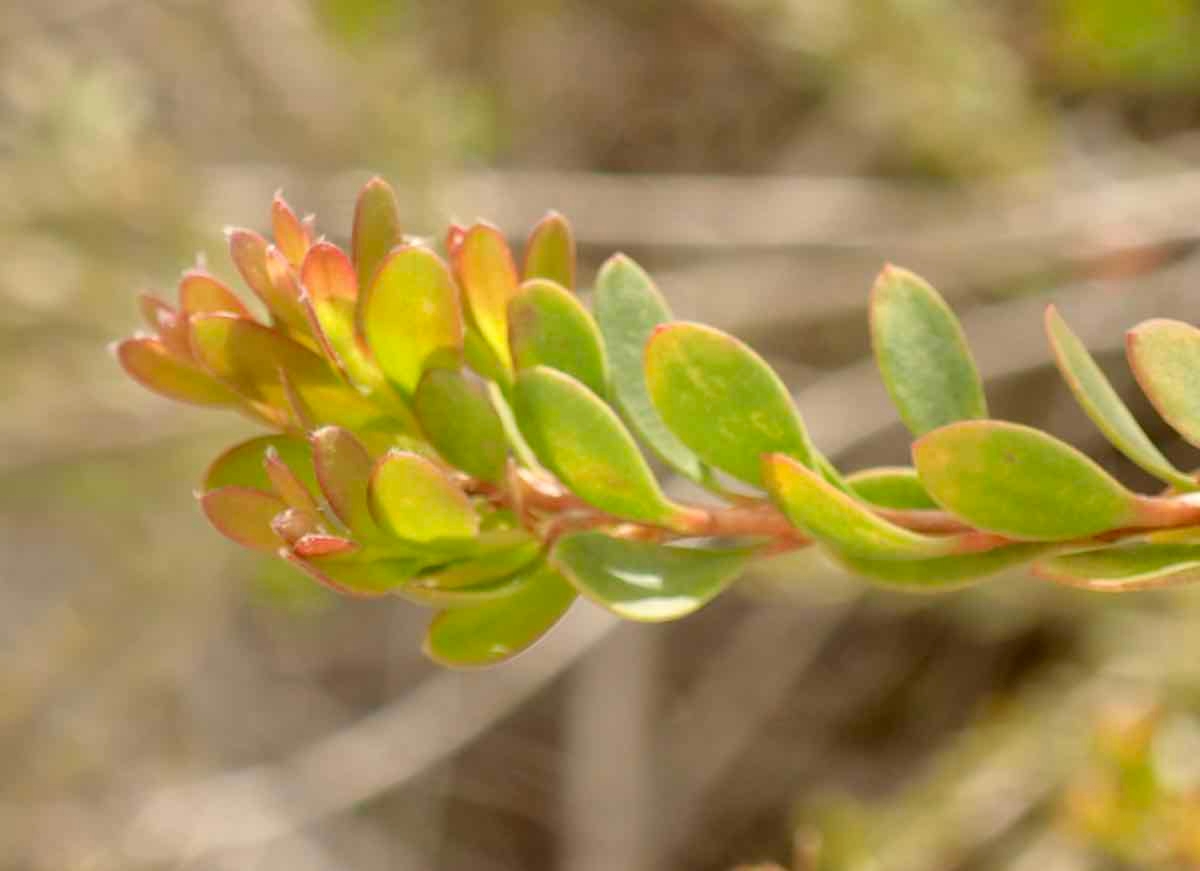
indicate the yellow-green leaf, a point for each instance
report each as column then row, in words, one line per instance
column 1165, row 357
column 891, row 487
column 548, row 326
column 376, row 228
column 461, row 424
column 414, row 500
column 1120, row 568
column 722, row 400
column 942, row 573
column 149, row 363
column 242, row 464
column 489, row 281
column 550, row 251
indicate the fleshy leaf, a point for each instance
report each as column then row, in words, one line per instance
column 582, row 441
column 941, row 573
column 149, row 363
column 891, row 487
column 355, row 578
column 1165, row 357
column 628, row 308
column 492, row 633
column 376, row 228
column 548, row 326
column 343, row 468
column 171, row 326
column 267, row 273
column 201, row 293
column 489, row 281
column 414, row 500
column 291, row 236
column 550, row 251
column 475, row 581
column 922, row 352
column 328, row 276
column 722, row 400
column 512, row 432
column 249, row 357
column 242, row 464
column 830, row 516
column 410, row 317
column 287, row 483
column 1102, row 404
column 461, row 424
column 1125, row 567
column 1017, row 481
column 244, row 515
column 641, row 580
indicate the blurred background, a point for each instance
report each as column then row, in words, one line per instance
column 168, row 702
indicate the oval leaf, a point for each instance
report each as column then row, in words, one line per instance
column 1165, row 357
column 461, row 424
column 1017, row 481
column 414, row 500
column 1126, row 567
column 410, row 317
column 579, row 438
column 492, row 633
column 547, row 326
column 150, row 364
column 268, row 274
column 722, row 400
column 942, row 573
column 244, row 515
column 922, row 352
column 628, row 308
column 343, row 468
column 1102, row 404
column 376, row 228
column 891, row 487
column 356, row 578
column 640, row 580
column 489, row 282
column 201, row 293
column 550, row 251
column 815, row 506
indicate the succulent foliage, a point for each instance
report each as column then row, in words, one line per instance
column 462, row 432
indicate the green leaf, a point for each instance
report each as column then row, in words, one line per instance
column 201, row 293
column 244, row 515
column 288, row 485
column 579, row 438
column 1017, row 481
column 328, row 276
column 1102, row 404
column 414, row 500
column 1134, row 566
column 150, row 364
column 249, row 357
column 343, row 468
column 722, row 400
column 550, row 251
column 512, row 432
column 410, row 317
column 242, row 464
column 1165, row 356
column 815, row 506
column 939, row 573
column 484, row 593
column 492, row 633
column 891, row 487
column 628, row 307
column 922, row 353
column 475, row 581
column 458, row 418
column 548, row 326
column 640, row 580
column 376, row 228
column 489, row 281
column 357, row 578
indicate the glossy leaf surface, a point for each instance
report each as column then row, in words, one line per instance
column 1015, row 480
column 461, row 423
column 492, row 633
column 1125, row 567
column 922, row 353
column 940, row 573
column 414, row 500
column 411, row 317
column 579, row 438
column 489, row 282
column 244, row 515
column 1102, row 404
column 827, row 514
column 640, row 580
column 242, row 464
column 1165, row 356
column 343, row 468
column 548, row 326
column 628, row 307
column 722, row 400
